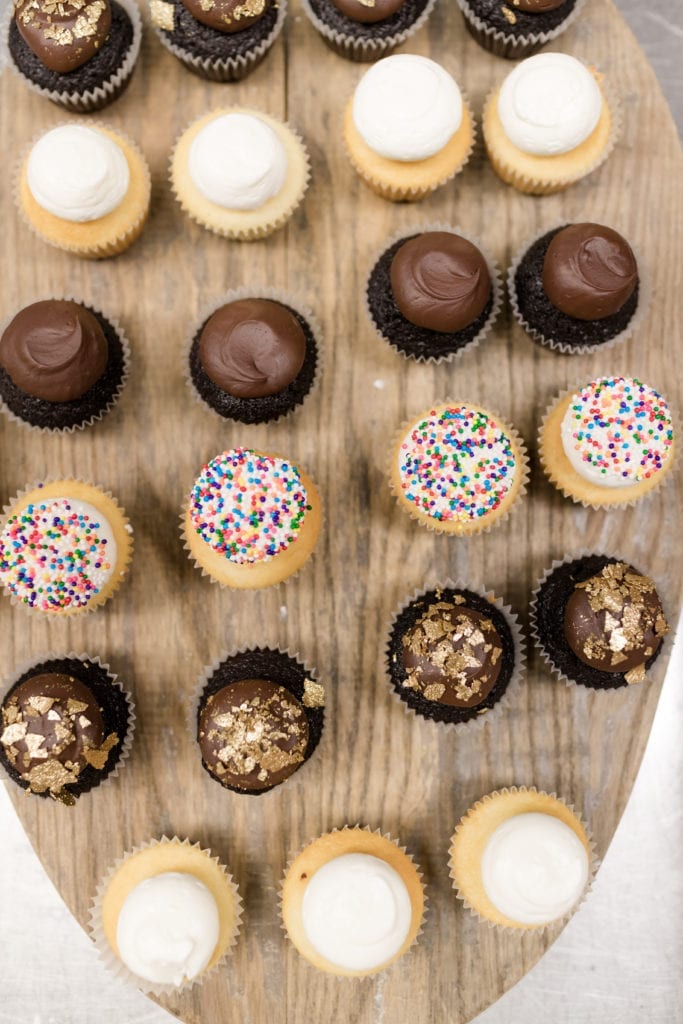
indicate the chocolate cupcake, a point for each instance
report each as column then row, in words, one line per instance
column 598, row 621
column 577, row 288
column 257, row 717
column 520, row 27
column 432, row 295
column 67, row 726
column 365, row 30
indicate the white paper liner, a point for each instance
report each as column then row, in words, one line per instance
column 504, row 44
column 496, row 291
column 594, row 864
column 519, row 668
column 256, row 292
column 634, row 324
column 90, row 99
column 363, row 50
column 116, row 966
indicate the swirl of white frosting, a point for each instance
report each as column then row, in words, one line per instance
column 77, row 173
column 534, row 868
column 238, row 162
column 407, row 107
column 549, row 104
column 356, row 911
column 168, row 928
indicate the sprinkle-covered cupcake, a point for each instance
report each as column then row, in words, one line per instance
column 518, row 28
column 609, row 443
column 549, row 124
column 407, row 127
column 458, row 468
column 365, row 30
column 252, row 519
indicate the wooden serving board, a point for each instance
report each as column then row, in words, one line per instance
column 376, row 764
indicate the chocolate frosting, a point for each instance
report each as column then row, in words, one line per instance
column 368, row 11
column 440, row 281
column 63, row 34
column 452, row 654
column 226, row 15
column 589, row 271
column 614, row 621
column 252, row 348
column 252, row 734
column 535, row 6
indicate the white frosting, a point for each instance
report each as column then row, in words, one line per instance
column 238, row 162
column 407, row 107
column 356, row 912
column 534, row 868
column 549, row 104
column 168, row 928
column 77, row 173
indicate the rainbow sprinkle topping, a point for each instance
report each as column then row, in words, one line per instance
column 617, row 431
column 248, row 507
column 456, row 464
column 56, row 554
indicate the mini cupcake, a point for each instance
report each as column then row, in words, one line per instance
column 518, row 28
column 576, row 288
column 67, row 725
column 64, row 548
column 62, row 365
column 222, row 40
column 85, row 189
column 78, row 53
column 166, row 915
column 458, row 469
column 454, row 654
column 609, row 443
column 365, row 30
column 252, row 519
column 352, row 902
column 550, row 124
column 258, row 717
column 239, row 173
column 432, row 295
column 598, row 621
column 255, row 357
column 407, row 127
column 521, row 859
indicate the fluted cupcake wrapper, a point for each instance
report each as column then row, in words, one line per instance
column 359, row 49
column 504, row 44
column 115, row 965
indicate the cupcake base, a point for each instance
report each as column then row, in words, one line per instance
column 506, row 31
column 364, row 42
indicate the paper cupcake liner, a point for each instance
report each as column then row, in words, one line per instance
column 632, row 327
column 364, row 50
column 433, row 525
column 118, row 575
column 115, row 966
column 125, row 748
column 504, row 44
column 496, row 291
column 225, row 69
column 257, row 292
column 541, row 928
column 512, row 689
column 90, row 99
column 425, row 900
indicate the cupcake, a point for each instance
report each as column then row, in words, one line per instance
column 457, row 469
column 165, row 915
column 254, row 358
column 433, row 294
column 85, row 189
column 549, row 124
column 453, row 654
column 407, row 127
column 518, row 28
column 62, row 365
column 365, row 30
column 64, row 548
column 239, row 173
column 67, row 725
column 598, row 621
column 352, row 902
column 609, row 443
column 521, row 859
column 258, row 718
column 252, row 519
column 576, row 288
column 78, row 53
column 222, row 40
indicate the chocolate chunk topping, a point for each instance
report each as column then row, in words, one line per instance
column 226, row 15
column 63, row 34
column 535, row 6
column 589, row 271
column 368, row 11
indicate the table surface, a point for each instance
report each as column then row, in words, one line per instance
column 618, row 960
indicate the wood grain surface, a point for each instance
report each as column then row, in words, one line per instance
column 376, row 764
